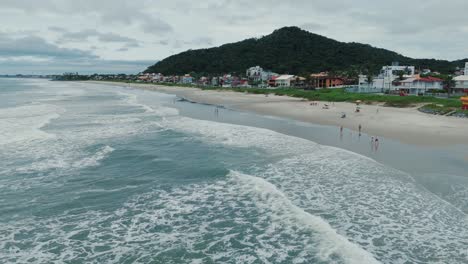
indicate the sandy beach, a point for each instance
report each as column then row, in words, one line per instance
column 407, row 125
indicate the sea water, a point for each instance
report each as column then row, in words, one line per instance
column 98, row 174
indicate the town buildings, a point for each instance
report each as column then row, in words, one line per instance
column 324, row 80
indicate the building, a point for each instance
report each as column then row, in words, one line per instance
column 258, row 74
column 284, row 80
column 417, row 85
column 388, row 75
column 255, row 73
column 272, row 81
column 187, row 79
column 324, row 80
column 466, row 68
column 461, row 84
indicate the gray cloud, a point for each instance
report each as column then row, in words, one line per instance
column 37, row 47
column 312, row 27
column 85, row 35
column 121, row 12
column 83, row 66
column 430, row 28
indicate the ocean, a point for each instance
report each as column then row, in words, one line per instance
column 101, row 174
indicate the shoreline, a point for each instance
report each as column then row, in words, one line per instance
column 407, row 125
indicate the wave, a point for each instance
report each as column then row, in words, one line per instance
column 267, row 196
column 161, row 111
column 379, row 208
column 24, row 123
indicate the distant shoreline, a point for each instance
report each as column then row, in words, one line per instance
column 407, row 125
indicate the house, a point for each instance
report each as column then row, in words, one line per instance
column 298, row 81
column 187, row 79
column 389, row 74
column 418, row 85
column 145, row 77
column 255, row 73
column 466, row 69
column 215, row 81
column 284, row 80
column 258, row 74
column 272, row 81
column 324, row 80
column 461, row 84
column 156, row 77
column 203, row 80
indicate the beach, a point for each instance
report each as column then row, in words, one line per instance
column 99, row 173
column 407, row 125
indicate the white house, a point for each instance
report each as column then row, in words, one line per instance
column 418, row 85
column 387, row 76
column 461, row 84
column 284, row 80
column 466, row 68
column 187, row 79
column 257, row 74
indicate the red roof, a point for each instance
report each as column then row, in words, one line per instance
column 430, row 79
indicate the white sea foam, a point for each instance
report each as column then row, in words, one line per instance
column 268, row 197
column 374, row 206
column 159, row 110
column 24, row 123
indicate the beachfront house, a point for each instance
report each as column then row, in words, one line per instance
column 418, row 85
column 323, row 80
column 272, row 81
column 187, row 79
column 255, row 73
column 466, row 69
column 389, row 74
column 461, row 84
column 284, row 80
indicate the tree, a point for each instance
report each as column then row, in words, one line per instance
column 449, row 83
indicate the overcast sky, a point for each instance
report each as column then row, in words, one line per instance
column 52, row 36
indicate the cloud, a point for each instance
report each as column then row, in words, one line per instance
column 82, row 66
column 312, row 27
column 85, row 35
column 37, row 47
column 201, row 41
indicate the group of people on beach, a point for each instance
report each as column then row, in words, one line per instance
column 375, row 143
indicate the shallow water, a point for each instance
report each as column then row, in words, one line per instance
column 99, row 174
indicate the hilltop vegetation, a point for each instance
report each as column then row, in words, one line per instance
column 291, row 50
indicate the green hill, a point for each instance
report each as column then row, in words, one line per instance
column 291, row 50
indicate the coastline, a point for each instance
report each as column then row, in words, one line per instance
column 407, row 125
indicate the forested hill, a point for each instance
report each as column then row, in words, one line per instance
column 290, row 50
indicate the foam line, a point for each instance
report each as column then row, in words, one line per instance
column 331, row 242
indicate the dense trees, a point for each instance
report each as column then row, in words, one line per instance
column 291, row 50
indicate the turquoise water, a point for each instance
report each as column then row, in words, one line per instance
column 99, row 174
